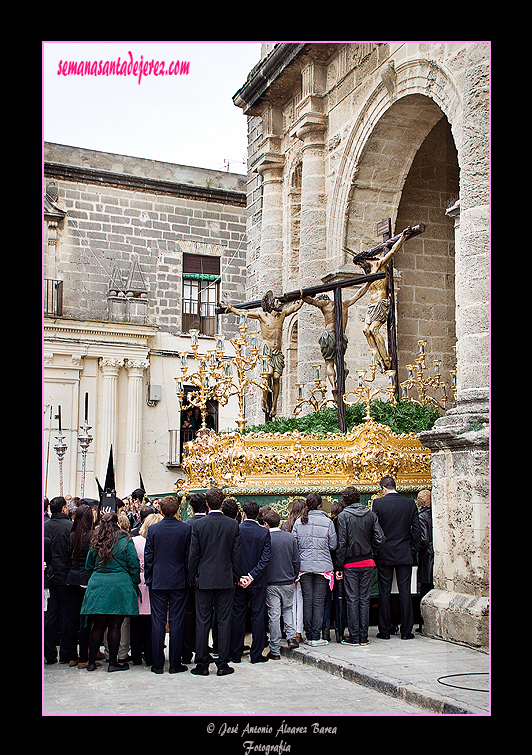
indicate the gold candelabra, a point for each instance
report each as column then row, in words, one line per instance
column 317, row 396
column 418, row 381
column 364, row 391
column 218, row 377
column 243, row 365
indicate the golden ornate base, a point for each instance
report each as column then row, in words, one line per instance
column 297, row 462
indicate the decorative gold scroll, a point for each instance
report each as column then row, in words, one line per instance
column 296, row 460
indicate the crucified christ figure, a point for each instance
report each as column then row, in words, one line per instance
column 327, row 340
column 379, row 306
column 271, row 318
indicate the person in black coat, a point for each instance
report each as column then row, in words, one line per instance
column 359, row 537
column 198, row 504
column 57, row 540
column 214, row 569
column 77, row 581
column 256, row 549
column 426, row 549
column 165, row 560
column 399, row 519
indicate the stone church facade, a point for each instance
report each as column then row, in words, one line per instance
column 340, row 137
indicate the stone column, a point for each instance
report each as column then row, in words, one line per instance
column 311, row 128
column 458, row 608
column 270, row 164
column 135, row 370
column 108, row 430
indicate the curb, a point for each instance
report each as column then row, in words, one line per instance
column 409, row 693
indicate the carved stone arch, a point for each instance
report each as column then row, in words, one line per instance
column 414, row 94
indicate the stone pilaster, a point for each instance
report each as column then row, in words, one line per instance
column 311, row 129
column 135, row 370
column 270, row 165
column 458, row 607
column 108, row 430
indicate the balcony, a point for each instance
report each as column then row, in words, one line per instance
column 53, row 297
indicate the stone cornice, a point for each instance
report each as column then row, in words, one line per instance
column 275, row 75
column 137, row 183
column 55, row 328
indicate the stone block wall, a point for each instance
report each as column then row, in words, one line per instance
column 121, row 222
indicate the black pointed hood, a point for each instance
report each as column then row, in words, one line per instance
column 108, row 493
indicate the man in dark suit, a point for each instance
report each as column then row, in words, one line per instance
column 165, row 560
column 398, row 517
column 256, row 554
column 198, row 505
column 214, row 568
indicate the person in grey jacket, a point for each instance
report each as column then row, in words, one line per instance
column 360, row 536
column 316, row 538
column 281, row 575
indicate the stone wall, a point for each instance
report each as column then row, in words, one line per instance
column 129, row 215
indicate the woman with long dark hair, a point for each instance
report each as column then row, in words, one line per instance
column 114, row 575
column 316, row 538
column 77, row 580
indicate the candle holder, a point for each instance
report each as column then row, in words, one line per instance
column 205, row 380
column 60, row 448
column 243, row 366
column 364, row 391
column 219, row 377
column 84, row 440
column 317, row 398
column 417, row 380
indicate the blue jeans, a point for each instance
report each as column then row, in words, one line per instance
column 314, row 588
column 357, row 585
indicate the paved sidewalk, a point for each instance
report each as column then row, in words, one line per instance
column 386, row 677
column 418, row 671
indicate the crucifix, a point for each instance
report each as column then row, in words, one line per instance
column 368, row 257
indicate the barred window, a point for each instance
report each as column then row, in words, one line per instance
column 201, row 279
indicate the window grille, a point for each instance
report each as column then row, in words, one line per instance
column 53, row 297
column 201, row 278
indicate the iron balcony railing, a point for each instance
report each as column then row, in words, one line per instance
column 53, row 297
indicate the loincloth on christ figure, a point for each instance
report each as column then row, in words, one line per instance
column 377, row 312
column 327, row 342
column 275, row 358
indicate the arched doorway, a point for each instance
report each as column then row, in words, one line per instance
column 408, row 171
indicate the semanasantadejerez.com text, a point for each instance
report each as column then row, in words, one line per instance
column 127, row 67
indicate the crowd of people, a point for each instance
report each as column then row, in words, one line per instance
column 119, row 585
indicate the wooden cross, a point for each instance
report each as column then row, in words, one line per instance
column 384, row 229
column 336, row 287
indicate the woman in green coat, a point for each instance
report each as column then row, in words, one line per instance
column 112, row 591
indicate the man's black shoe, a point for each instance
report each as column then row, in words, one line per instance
column 177, row 669
column 200, row 671
column 157, row 670
column 224, row 670
column 260, row 659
